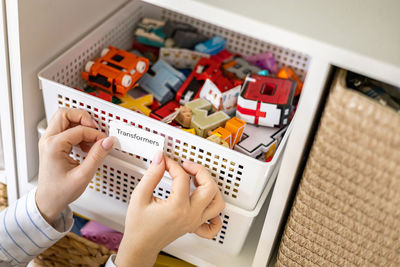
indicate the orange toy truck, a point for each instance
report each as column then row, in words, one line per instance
column 116, row 71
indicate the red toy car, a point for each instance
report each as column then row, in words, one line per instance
column 205, row 68
column 266, row 100
column 117, row 71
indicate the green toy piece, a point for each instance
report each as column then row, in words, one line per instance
column 201, row 121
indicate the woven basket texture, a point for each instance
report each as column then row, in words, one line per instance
column 3, row 196
column 346, row 210
column 73, row 250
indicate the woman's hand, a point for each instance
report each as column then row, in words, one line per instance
column 152, row 223
column 62, row 179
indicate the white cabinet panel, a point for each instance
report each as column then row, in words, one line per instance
column 39, row 31
column 7, row 168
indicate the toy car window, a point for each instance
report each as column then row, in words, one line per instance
column 114, row 66
column 117, row 58
column 268, row 88
column 100, row 79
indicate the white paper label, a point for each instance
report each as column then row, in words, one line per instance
column 136, row 141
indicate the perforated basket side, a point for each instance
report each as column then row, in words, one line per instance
column 226, row 166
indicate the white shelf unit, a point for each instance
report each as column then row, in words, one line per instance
column 8, row 168
column 3, row 178
column 32, row 45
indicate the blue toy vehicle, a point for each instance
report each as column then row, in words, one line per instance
column 212, row 46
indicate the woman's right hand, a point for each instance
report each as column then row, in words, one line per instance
column 152, row 223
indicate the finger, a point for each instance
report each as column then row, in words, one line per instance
column 94, row 158
column 202, row 197
column 211, row 229
column 215, row 207
column 206, row 187
column 180, row 181
column 200, row 173
column 144, row 190
column 75, row 136
column 85, row 147
column 65, row 117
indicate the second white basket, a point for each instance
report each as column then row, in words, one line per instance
column 117, row 179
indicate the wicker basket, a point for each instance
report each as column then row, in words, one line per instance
column 73, row 250
column 3, row 196
column 346, row 210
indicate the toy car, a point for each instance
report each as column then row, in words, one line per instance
column 116, row 71
column 159, row 33
column 266, row 101
column 212, row 46
column 162, row 81
column 205, row 68
column 182, row 35
column 238, row 68
column 150, row 32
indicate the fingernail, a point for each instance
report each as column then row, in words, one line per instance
column 158, row 156
column 95, row 123
column 108, row 143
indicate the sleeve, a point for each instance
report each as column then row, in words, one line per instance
column 110, row 262
column 24, row 233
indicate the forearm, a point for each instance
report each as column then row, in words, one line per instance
column 24, row 233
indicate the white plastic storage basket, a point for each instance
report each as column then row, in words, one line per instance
column 117, row 179
column 240, row 178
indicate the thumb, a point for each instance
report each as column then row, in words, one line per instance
column 151, row 178
column 95, row 157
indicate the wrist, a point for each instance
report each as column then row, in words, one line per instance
column 47, row 208
column 131, row 253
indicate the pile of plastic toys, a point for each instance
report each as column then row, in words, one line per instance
column 175, row 74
